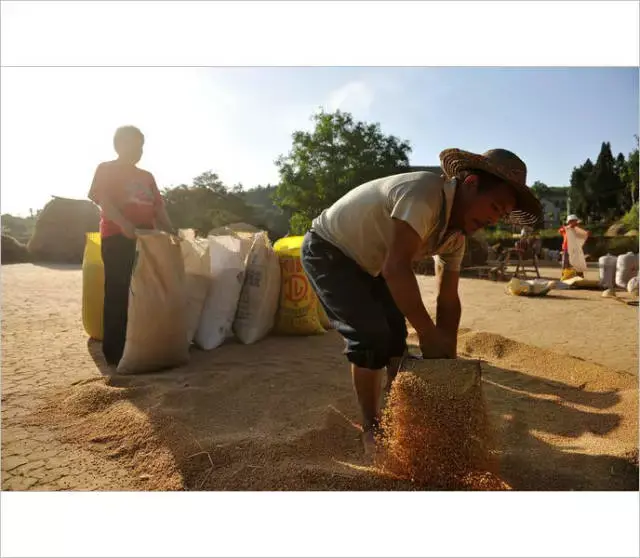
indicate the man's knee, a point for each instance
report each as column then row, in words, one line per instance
column 370, row 347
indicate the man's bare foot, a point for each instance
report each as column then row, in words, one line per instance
column 369, row 444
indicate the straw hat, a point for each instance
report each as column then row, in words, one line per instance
column 573, row 217
column 505, row 165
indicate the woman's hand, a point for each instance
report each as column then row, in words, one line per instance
column 128, row 230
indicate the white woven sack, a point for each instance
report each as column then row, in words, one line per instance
column 197, row 265
column 227, row 276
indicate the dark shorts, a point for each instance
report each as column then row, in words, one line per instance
column 359, row 305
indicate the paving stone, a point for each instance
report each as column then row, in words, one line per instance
column 52, row 476
column 20, row 483
column 12, row 462
column 26, row 469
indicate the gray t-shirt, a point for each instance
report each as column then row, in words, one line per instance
column 360, row 223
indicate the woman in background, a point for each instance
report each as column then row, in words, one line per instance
column 129, row 199
column 572, row 223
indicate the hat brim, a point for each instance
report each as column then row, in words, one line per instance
column 527, row 211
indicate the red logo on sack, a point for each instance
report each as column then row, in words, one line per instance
column 296, row 287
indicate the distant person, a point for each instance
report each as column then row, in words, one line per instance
column 359, row 253
column 129, row 199
column 572, row 223
column 529, row 242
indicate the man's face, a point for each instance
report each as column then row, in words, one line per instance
column 481, row 209
column 572, row 223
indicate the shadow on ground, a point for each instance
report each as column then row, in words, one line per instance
column 59, row 266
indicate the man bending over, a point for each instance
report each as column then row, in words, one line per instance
column 359, row 258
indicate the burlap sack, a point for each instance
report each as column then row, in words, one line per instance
column 157, row 323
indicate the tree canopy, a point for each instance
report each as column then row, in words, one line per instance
column 607, row 189
column 205, row 204
column 324, row 164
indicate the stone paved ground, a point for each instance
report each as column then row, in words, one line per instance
column 43, row 348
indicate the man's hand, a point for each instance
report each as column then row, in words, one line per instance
column 437, row 344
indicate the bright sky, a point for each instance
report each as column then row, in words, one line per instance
column 57, row 123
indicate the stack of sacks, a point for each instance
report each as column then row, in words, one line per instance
column 239, row 286
column 244, row 288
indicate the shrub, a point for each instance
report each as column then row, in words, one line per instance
column 598, row 246
column 630, row 220
column 299, row 224
column 13, row 251
column 494, row 237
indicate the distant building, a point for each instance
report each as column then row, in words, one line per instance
column 555, row 203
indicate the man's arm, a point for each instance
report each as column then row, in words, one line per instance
column 448, row 305
column 398, row 273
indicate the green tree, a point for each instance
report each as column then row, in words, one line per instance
column 20, row 228
column 604, row 186
column 338, row 155
column 540, row 189
column 629, row 174
column 272, row 217
column 578, row 190
column 209, row 180
column 205, row 205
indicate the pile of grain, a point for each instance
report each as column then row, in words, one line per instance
column 435, row 426
column 100, row 415
column 13, row 251
column 177, row 447
column 59, row 235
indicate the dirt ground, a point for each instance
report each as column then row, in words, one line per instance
column 560, row 378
